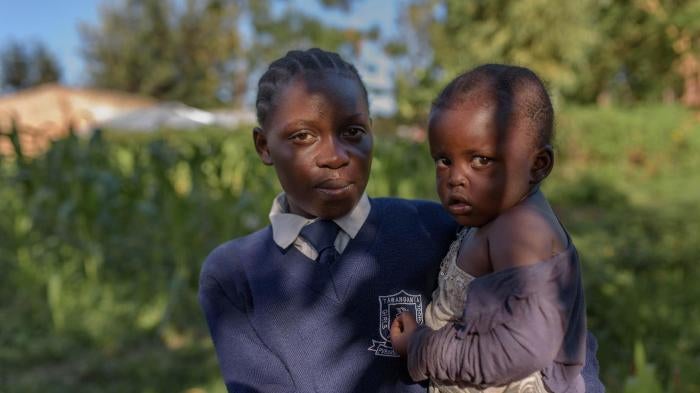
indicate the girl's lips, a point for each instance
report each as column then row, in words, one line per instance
column 333, row 182
column 339, row 191
column 334, row 187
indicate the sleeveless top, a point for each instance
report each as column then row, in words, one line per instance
column 447, row 306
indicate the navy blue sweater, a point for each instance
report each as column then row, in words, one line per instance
column 277, row 325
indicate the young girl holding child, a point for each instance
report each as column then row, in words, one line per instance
column 305, row 303
column 508, row 314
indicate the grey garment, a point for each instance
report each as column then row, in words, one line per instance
column 516, row 321
column 591, row 370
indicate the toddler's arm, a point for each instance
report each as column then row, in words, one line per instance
column 486, row 356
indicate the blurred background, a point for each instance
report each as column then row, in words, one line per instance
column 126, row 156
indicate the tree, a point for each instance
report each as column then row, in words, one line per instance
column 165, row 50
column 586, row 51
column 15, row 66
column 45, row 66
column 634, row 59
column 451, row 36
column 23, row 68
column 292, row 29
column 194, row 52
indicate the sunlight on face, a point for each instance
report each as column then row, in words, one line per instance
column 319, row 140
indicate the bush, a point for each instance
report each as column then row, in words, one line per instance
column 101, row 241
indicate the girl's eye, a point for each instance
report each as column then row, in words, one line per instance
column 303, row 136
column 353, row 132
column 481, row 161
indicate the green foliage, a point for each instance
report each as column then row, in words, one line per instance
column 642, row 46
column 101, row 241
column 194, row 52
column 295, row 29
column 644, row 380
column 168, row 51
column 553, row 38
column 625, row 187
column 610, row 51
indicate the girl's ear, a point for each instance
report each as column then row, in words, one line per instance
column 260, row 141
column 542, row 165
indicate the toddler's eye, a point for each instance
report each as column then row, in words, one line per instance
column 442, row 161
column 481, row 161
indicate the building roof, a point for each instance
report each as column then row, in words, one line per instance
column 45, row 112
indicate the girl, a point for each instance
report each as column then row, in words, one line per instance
column 292, row 307
column 509, row 310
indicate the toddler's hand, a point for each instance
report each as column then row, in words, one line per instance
column 402, row 327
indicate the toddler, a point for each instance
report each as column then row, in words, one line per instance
column 508, row 314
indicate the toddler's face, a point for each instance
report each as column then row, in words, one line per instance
column 319, row 140
column 482, row 165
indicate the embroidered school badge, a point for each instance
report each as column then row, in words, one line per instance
column 389, row 307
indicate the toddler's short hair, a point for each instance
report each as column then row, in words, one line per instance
column 517, row 91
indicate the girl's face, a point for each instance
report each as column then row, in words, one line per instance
column 319, row 140
column 482, row 165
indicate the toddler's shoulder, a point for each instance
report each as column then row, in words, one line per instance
column 524, row 236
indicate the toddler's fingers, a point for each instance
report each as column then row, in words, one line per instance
column 408, row 321
column 406, row 318
column 395, row 329
column 397, row 323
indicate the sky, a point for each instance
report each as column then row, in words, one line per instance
column 55, row 23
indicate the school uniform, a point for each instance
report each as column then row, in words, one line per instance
column 283, row 322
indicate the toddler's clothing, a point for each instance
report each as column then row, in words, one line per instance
column 515, row 322
column 447, row 306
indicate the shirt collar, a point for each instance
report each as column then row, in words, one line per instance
column 286, row 226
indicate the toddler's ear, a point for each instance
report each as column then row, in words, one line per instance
column 542, row 165
column 260, row 141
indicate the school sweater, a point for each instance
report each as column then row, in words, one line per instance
column 278, row 325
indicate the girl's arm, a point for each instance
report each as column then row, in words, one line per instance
column 246, row 363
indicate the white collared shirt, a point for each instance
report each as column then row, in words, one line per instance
column 286, row 226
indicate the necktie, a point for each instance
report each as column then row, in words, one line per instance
column 321, row 234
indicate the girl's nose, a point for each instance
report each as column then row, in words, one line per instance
column 333, row 154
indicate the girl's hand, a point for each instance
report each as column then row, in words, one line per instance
column 402, row 328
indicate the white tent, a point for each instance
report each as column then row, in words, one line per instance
column 172, row 115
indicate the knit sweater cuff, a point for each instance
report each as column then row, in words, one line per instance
column 415, row 361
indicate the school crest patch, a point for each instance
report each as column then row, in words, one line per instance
column 389, row 307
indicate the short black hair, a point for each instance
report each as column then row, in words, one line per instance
column 298, row 62
column 517, row 91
